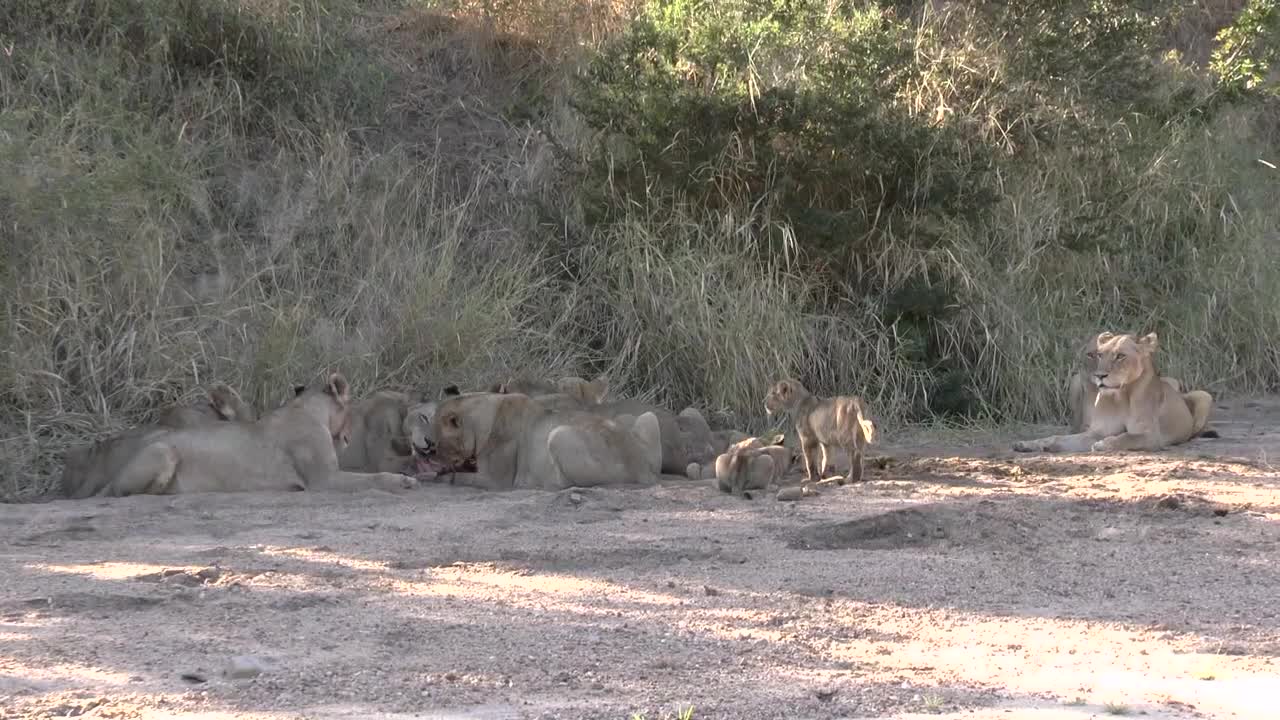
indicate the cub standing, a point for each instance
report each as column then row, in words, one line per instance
column 837, row 421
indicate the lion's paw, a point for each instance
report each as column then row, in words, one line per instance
column 1101, row 446
column 399, row 481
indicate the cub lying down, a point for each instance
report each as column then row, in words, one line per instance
column 290, row 448
column 750, row 464
column 518, row 443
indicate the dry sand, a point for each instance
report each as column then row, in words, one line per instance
column 962, row 580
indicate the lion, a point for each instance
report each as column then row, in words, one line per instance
column 682, row 440
column 222, row 402
column 88, row 469
column 418, row 429
column 838, row 421
column 289, row 448
column 1119, row 402
column 518, row 443
column 375, row 440
column 750, row 464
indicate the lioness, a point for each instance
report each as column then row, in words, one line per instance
column 837, row 421
column 88, row 469
column 1120, row 402
column 376, row 439
column 290, row 448
column 682, row 442
column 427, row 465
column 518, row 443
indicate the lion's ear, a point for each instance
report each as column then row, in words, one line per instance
column 450, row 391
column 1104, row 336
column 338, row 387
column 596, row 390
column 1149, row 342
column 299, row 389
column 224, row 401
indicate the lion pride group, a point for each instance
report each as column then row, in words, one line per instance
column 536, row 433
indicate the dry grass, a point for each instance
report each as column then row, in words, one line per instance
column 394, row 201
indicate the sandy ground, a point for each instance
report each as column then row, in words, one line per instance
column 961, row 580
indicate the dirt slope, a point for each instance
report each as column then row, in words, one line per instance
column 963, row 579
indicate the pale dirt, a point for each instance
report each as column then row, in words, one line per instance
column 962, row 580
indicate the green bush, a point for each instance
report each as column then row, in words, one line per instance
column 993, row 180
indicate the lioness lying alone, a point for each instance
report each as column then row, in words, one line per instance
column 89, row 469
column 518, row 443
column 290, row 448
column 837, row 421
column 1121, row 402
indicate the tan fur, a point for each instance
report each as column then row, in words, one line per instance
column 749, row 467
column 1119, row 402
column 824, row 423
column 376, row 440
column 87, row 470
column 683, row 440
column 221, row 403
column 518, row 443
column 290, row 448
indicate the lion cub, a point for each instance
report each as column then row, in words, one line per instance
column 752, row 464
column 837, row 421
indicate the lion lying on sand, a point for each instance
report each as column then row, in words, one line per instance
column 290, row 448
column 838, row 421
column 686, row 437
column 1120, row 402
column 88, row 469
column 516, row 442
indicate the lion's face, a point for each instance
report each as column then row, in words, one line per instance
column 455, row 440
column 1114, row 361
column 417, row 427
column 780, row 397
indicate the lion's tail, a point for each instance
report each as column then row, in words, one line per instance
column 1200, row 403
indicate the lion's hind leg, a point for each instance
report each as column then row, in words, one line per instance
column 153, row 471
column 647, row 433
column 583, row 459
column 1200, row 403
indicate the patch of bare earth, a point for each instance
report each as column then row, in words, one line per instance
column 965, row 580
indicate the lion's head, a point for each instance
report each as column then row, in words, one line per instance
column 461, row 425
column 228, row 405
column 1113, row 361
column 334, row 395
column 588, row 392
column 782, row 396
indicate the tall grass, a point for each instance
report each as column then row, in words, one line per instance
column 254, row 192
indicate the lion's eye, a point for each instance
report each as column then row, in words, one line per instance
column 453, row 421
column 1091, row 355
column 424, row 418
column 1119, row 357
